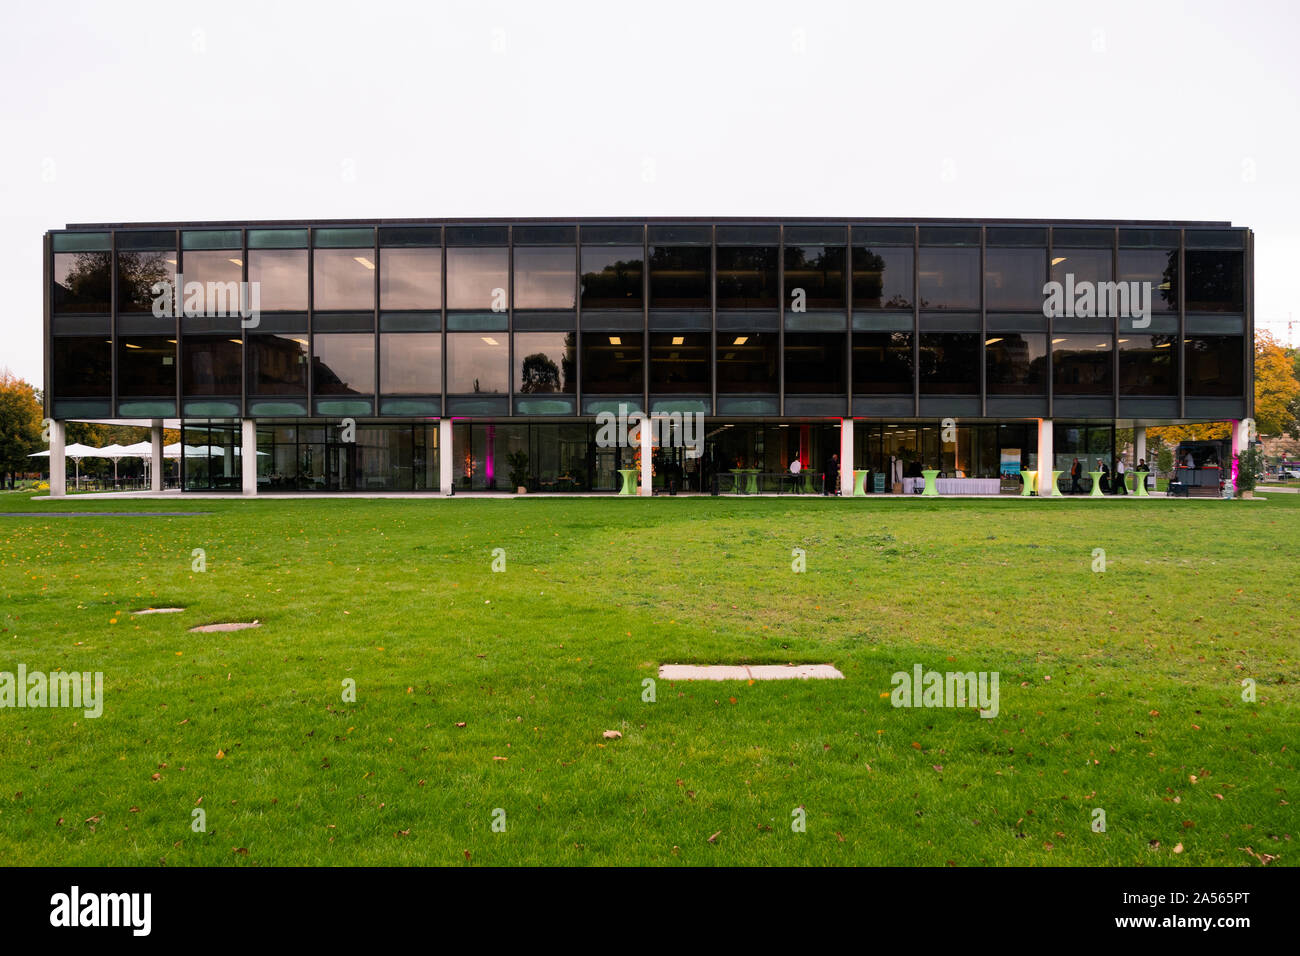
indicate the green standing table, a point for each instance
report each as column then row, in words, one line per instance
column 931, row 490
column 1056, row 486
column 1140, row 484
column 1028, row 488
column 1096, row 484
column 808, row 486
column 629, row 481
column 859, row 484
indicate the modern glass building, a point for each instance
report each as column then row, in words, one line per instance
column 447, row 346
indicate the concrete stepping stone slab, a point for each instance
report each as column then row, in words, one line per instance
column 746, row 673
column 158, row 610
column 231, row 626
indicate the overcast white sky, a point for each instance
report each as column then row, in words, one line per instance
column 121, row 112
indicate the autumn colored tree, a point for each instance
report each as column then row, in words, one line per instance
column 1276, row 386
column 20, row 427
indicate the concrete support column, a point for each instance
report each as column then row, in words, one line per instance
column 1046, row 457
column 446, row 480
column 58, row 460
column 1240, row 441
column 647, row 456
column 249, row 455
column 846, row 458
column 1140, row 452
column 156, row 456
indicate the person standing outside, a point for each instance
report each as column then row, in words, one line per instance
column 796, row 467
column 1142, row 469
column 1120, row 487
column 1076, row 471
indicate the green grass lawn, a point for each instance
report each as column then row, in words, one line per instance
column 1120, row 690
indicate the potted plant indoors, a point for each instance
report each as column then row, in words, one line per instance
column 518, row 462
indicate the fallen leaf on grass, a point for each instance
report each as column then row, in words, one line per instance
column 714, row 838
column 1264, row 858
column 612, row 735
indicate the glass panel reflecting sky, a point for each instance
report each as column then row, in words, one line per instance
column 545, row 277
column 410, row 363
column 478, row 278
column 343, row 364
column 410, row 279
column 344, row 279
column 477, row 362
column 282, row 274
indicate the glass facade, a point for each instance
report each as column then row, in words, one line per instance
column 755, row 324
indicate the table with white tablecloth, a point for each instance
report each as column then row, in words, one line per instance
column 955, row 486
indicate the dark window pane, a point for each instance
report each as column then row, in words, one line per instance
column 82, row 366
column 477, row 363
column 544, row 277
column 343, row 364
column 1081, row 364
column 146, row 366
column 211, row 365
column 219, row 271
column 950, row 363
column 1086, row 265
column 1214, row 281
column 410, row 279
column 882, row 277
column 679, row 362
column 1147, row 365
column 343, row 279
column 1015, row 363
column 882, row 363
column 277, row 364
column 949, row 278
column 747, row 362
column 137, row 272
column 815, row 363
column 83, row 282
column 1013, row 279
column 611, row 277
column 544, row 362
column 679, row 277
column 611, row 363
column 282, row 274
column 410, row 363
column 1214, row 365
column 478, row 278
column 1157, row 266
column 747, row 277
column 819, row 272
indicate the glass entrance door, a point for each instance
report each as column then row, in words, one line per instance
column 340, row 466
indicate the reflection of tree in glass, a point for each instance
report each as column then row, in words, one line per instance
column 540, row 374
column 89, row 280
column 136, row 274
column 1169, row 285
column 618, row 280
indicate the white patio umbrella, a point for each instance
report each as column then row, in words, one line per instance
column 142, row 450
column 115, row 452
column 77, row 451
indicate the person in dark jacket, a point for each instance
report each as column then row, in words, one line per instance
column 1076, row 471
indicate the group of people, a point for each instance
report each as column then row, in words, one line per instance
column 1112, row 483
